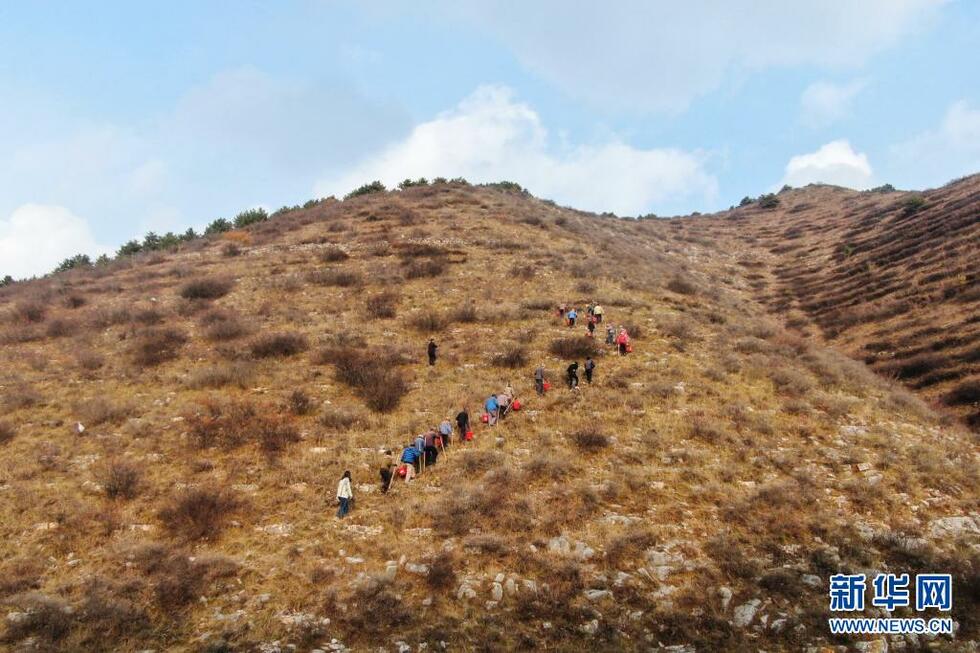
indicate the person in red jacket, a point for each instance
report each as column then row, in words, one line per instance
column 623, row 340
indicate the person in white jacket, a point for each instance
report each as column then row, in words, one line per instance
column 345, row 494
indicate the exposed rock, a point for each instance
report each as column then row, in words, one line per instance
column 590, row 627
column 811, row 580
column 420, row 569
column 598, row 595
column 510, row 586
column 497, row 592
column 563, row 546
column 954, row 526
column 745, row 613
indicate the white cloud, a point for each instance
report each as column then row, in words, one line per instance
column 948, row 151
column 647, row 54
column 490, row 136
column 37, row 237
column 824, row 103
column 834, row 163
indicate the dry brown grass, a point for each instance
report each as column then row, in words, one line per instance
column 121, row 479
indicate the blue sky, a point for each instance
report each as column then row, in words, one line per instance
column 117, row 118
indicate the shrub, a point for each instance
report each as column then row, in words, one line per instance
column 376, row 379
column 279, row 345
column 428, row 322
column 120, row 480
column 913, row 205
column 634, row 330
column 156, row 346
column 768, row 201
column 590, row 439
column 199, row 513
column 31, row 311
column 216, row 376
column 790, row 381
column 341, row 278
column 382, row 305
column 682, row 285
column 703, row 429
column 148, row 316
column 466, row 314
column 74, row 300
column 44, row 618
column 60, row 328
column 7, row 432
column 222, row 325
column 299, row 402
column 337, row 419
column 571, row 348
column 426, row 268
column 208, row 288
column 100, row 410
column 366, row 189
column 442, row 575
column 513, row 357
column 333, row 255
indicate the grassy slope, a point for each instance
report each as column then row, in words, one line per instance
column 739, row 456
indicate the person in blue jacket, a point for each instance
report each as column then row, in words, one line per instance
column 411, row 456
column 492, row 408
column 572, row 314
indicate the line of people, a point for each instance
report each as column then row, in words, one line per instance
column 424, row 451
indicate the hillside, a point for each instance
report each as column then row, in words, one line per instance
column 175, row 424
column 891, row 278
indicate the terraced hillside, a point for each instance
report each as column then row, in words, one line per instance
column 175, row 424
column 892, row 278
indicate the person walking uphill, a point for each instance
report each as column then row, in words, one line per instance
column 446, row 432
column 572, row 314
column 539, row 380
column 589, row 369
column 463, row 423
column 623, row 340
column 345, row 494
column 573, row 376
column 493, row 409
column 431, row 349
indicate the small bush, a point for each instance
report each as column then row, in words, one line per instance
column 466, row 314
column 223, row 325
column 790, row 381
column 513, row 357
column 156, row 346
column 199, row 513
column 121, row 480
column 426, row 268
column 100, row 410
column 572, row 348
column 337, row 419
column 682, row 286
column 702, row 428
column 634, row 330
column 333, row 255
column 279, row 345
column 442, row 575
column 46, row 619
column 148, row 316
column 376, row 379
column 382, row 306
column 341, row 278
column 31, row 311
column 7, row 432
column 429, row 322
column 590, row 439
column 217, row 376
column 913, row 205
column 768, row 201
column 208, row 288
column 299, row 402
